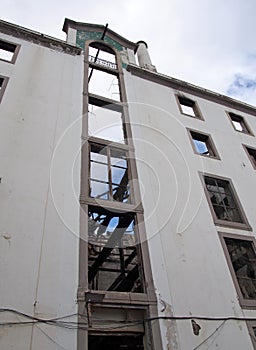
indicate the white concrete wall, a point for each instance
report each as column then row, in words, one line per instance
column 190, row 271
column 40, row 179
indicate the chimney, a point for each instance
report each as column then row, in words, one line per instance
column 143, row 56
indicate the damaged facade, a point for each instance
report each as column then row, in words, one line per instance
column 127, row 200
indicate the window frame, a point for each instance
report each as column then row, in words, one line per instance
column 247, row 148
column 213, row 153
column 194, row 106
column 250, row 326
column 119, row 147
column 246, row 129
column 3, row 86
column 15, row 52
column 219, row 222
column 245, row 303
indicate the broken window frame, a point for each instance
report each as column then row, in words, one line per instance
column 128, row 267
column 10, row 47
column 3, row 83
column 195, row 135
column 233, row 117
column 102, row 47
column 244, row 302
column 251, row 325
column 186, row 101
column 108, row 146
column 244, row 224
column 252, row 157
column 116, row 107
column 103, row 68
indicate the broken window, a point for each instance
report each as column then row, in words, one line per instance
column 188, row 107
column 106, row 122
column 8, row 51
column 104, row 84
column 203, row 144
column 109, row 173
column 223, row 201
column 239, row 123
column 252, row 155
column 252, row 331
column 116, row 342
column 113, row 262
column 103, row 73
column 3, row 83
column 102, row 55
column 243, row 260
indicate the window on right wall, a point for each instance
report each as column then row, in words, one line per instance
column 8, row 51
column 241, row 257
column 239, row 123
column 203, row 144
column 188, row 107
column 3, row 84
column 251, row 152
column 224, row 203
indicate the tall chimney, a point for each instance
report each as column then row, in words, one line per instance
column 143, row 56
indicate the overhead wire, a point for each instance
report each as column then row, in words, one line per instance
column 59, row 321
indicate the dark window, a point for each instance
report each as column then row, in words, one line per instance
column 203, row 144
column 242, row 259
column 252, row 155
column 116, row 342
column 239, row 123
column 109, row 173
column 3, row 84
column 113, row 251
column 224, row 202
column 189, row 107
column 8, row 51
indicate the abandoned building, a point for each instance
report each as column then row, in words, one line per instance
column 126, row 200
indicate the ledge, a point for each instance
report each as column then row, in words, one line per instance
column 38, row 38
column 191, row 89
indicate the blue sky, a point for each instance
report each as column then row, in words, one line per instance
column 205, row 42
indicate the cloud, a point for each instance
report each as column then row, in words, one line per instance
column 205, row 44
column 240, row 84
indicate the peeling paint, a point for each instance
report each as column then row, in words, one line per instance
column 170, row 325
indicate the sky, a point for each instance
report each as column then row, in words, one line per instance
column 209, row 43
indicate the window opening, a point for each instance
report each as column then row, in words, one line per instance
column 116, row 342
column 109, row 175
column 239, row 123
column 7, row 51
column 188, row 107
column 113, row 262
column 243, row 259
column 104, row 84
column 252, row 331
column 3, row 84
column 102, row 55
column 252, row 155
column 106, row 123
column 203, row 144
column 222, row 199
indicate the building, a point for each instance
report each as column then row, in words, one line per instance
column 126, row 200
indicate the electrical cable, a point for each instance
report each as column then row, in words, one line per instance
column 59, row 322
